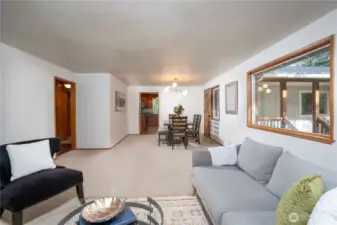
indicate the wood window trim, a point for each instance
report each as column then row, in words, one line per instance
column 298, row 134
column 212, row 102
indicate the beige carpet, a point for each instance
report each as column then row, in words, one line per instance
column 178, row 210
column 136, row 167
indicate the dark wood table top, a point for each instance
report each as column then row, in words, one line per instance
column 167, row 123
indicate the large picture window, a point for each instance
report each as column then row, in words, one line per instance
column 293, row 95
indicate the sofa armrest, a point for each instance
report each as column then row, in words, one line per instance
column 201, row 158
column 204, row 158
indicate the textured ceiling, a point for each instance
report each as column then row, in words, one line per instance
column 153, row 42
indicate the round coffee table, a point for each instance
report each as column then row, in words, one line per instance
column 148, row 213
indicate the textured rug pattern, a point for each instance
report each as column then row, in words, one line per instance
column 183, row 210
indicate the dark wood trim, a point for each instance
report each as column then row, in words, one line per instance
column 303, row 135
column 302, row 51
column 249, row 99
column 72, row 92
column 305, row 50
column 207, row 113
column 64, row 80
column 332, row 86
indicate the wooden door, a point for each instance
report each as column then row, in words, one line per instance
column 207, row 111
column 62, row 112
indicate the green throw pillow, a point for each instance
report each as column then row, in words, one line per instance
column 297, row 203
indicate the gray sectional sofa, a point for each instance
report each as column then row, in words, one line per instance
column 248, row 193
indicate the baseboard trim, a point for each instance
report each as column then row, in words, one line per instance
column 93, row 148
column 120, row 140
column 103, row 148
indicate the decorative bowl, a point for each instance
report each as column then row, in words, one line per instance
column 103, row 210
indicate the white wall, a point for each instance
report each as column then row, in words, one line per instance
column 0, row 21
column 193, row 104
column 98, row 124
column 1, row 88
column 118, row 120
column 93, row 110
column 233, row 128
column 27, row 95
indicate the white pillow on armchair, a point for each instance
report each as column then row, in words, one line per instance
column 224, row 155
column 26, row 159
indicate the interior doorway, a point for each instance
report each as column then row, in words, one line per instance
column 148, row 112
column 207, row 112
column 65, row 113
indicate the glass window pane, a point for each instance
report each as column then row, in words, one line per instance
column 216, row 103
column 283, row 95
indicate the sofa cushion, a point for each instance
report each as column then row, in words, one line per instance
column 36, row 187
column 289, row 169
column 227, row 188
column 249, row 218
column 299, row 200
column 258, row 160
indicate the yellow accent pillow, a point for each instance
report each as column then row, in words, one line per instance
column 297, row 203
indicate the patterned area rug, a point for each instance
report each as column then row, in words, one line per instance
column 182, row 210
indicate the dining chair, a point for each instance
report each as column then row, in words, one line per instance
column 194, row 132
column 179, row 130
column 165, row 131
column 192, row 126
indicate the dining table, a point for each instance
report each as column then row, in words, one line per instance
column 169, row 123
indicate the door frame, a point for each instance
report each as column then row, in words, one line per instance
column 72, row 108
column 140, row 109
column 211, row 110
column 207, row 119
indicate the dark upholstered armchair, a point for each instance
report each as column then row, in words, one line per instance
column 29, row 190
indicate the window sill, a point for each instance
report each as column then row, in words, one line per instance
column 302, row 135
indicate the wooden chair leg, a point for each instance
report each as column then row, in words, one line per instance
column 158, row 139
column 198, row 138
column 17, row 218
column 80, row 193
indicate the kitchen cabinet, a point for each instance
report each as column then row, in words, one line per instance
column 148, row 120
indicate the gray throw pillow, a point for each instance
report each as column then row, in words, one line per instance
column 290, row 169
column 258, row 160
